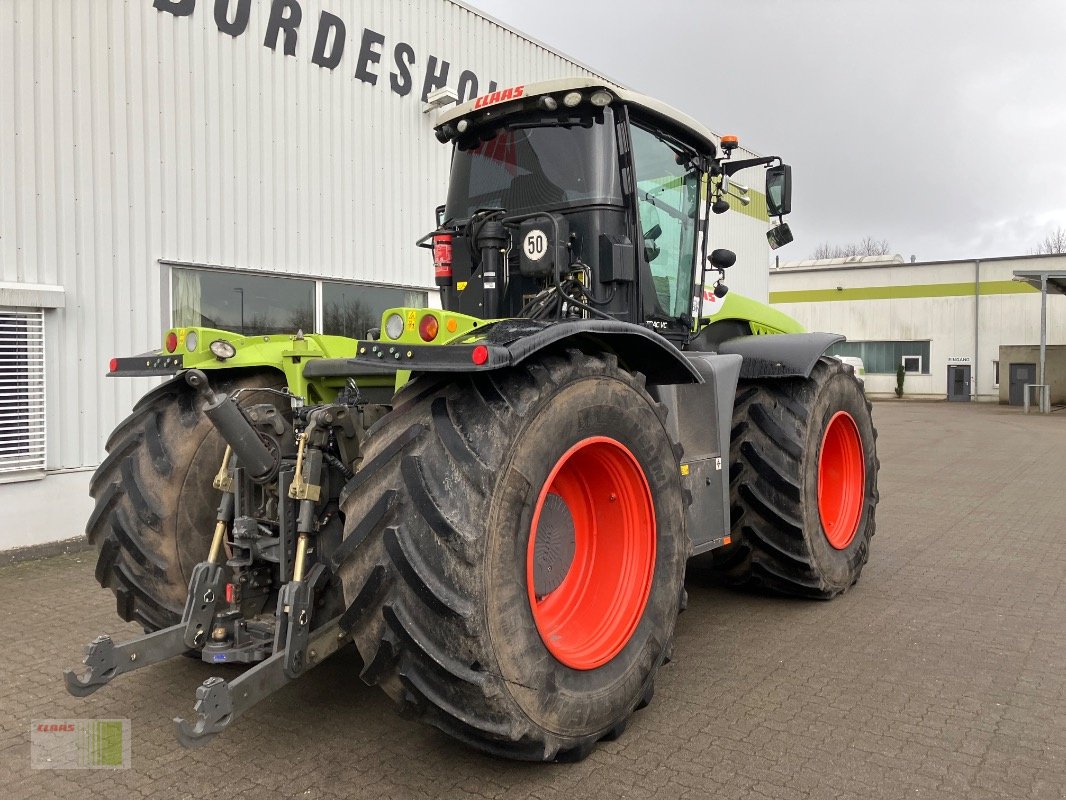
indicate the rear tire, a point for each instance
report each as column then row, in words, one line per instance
column 789, row 436
column 155, row 503
column 441, row 606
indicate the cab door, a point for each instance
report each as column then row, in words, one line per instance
column 667, row 200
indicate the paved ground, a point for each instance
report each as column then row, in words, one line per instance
column 941, row 674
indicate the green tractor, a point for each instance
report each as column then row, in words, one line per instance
column 495, row 502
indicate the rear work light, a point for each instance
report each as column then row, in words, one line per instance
column 428, row 328
column 442, row 258
column 221, row 349
column 394, row 326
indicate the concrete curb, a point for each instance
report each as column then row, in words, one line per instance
column 47, row 550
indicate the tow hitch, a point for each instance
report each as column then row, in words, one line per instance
column 277, row 525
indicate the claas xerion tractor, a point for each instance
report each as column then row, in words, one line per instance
column 495, row 502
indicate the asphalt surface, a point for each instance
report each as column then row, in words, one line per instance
column 942, row 673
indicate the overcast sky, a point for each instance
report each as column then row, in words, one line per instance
column 939, row 125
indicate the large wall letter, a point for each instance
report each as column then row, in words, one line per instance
column 467, row 86
column 326, row 23
column 240, row 20
column 179, row 8
column 434, row 79
column 404, row 56
column 368, row 55
column 282, row 21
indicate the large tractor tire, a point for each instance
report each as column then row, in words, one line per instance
column 155, row 504
column 803, row 478
column 516, row 551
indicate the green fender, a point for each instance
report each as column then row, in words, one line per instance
column 762, row 318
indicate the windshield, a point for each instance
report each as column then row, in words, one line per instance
column 537, row 165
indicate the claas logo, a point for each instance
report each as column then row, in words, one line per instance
column 498, row 97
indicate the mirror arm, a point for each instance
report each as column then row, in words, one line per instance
column 733, row 167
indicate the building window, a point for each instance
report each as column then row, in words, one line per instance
column 883, row 358
column 22, row 429
column 995, row 374
column 243, row 302
column 250, row 303
column 351, row 309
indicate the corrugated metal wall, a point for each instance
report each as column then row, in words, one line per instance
column 132, row 135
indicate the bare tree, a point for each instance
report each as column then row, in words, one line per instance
column 869, row 246
column 1054, row 242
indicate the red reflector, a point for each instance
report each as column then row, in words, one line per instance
column 479, row 355
column 172, row 342
column 229, row 593
column 442, row 258
column 113, row 365
column 428, row 328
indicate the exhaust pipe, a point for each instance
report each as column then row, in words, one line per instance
column 254, row 456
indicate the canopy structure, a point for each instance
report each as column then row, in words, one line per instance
column 704, row 138
column 1046, row 281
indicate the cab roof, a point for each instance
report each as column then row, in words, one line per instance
column 698, row 135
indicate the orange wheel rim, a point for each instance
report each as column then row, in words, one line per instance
column 841, row 480
column 591, row 553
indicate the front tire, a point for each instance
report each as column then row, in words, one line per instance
column 475, row 495
column 803, row 485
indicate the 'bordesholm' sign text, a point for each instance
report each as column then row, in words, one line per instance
column 286, row 28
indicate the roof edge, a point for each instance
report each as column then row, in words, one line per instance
column 884, row 264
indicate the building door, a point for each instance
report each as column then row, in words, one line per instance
column 1020, row 374
column 959, row 383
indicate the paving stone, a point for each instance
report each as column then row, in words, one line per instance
column 941, row 674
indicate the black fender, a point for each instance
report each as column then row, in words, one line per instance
column 510, row 342
column 637, row 347
column 779, row 355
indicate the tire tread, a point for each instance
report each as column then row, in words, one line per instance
column 417, row 631
column 769, row 551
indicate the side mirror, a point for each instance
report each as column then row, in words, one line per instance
column 779, row 190
column 779, row 236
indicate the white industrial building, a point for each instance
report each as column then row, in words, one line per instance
column 962, row 330
column 262, row 164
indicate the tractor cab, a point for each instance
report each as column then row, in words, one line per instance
column 572, row 199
